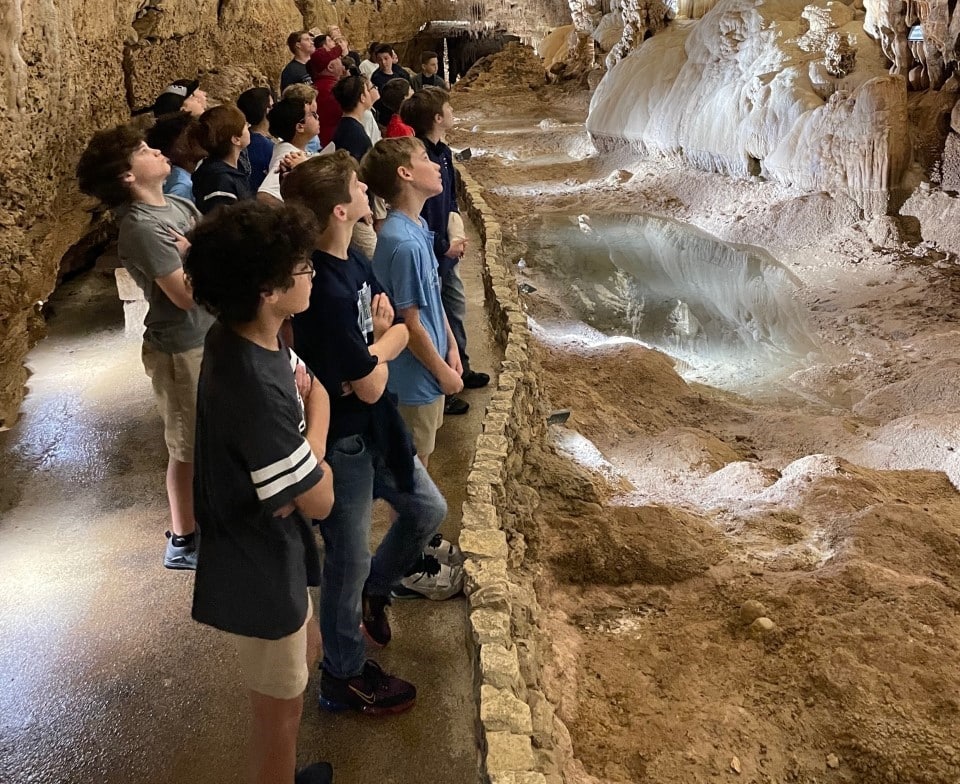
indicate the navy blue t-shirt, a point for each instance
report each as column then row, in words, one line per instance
column 332, row 336
column 351, row 136
column 436, row 210
column 261, row 153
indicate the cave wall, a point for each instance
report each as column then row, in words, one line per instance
column 783, row 89
column 67, row 68
column 70, row 67
column 363, row 21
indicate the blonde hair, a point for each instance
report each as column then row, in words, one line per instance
column 300, row 91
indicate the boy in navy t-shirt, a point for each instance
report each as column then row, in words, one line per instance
column 347, row 337
column 260, row 474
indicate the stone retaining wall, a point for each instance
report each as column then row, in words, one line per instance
column 522, row 738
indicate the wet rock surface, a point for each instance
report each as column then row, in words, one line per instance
column 809, row 634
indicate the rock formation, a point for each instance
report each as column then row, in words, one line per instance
column 776, row 89
column 67, row 69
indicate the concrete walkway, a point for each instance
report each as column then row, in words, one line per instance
column 104, row 678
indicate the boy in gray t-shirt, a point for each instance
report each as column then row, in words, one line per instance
column 127, row 175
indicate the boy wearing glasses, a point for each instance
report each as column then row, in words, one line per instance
column 260, row 472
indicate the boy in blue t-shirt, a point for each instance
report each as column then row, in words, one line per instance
column 401, row 173
column 430, row 115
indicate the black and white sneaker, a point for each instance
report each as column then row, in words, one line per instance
column 445, row 552
column 432, row 580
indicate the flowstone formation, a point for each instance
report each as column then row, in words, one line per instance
column 790, row 91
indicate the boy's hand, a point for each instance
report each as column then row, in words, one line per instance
column 450, row 381
column 453, row 359
column 457, row 249
column 182, row 243
column 290, row 161
column 382, row 315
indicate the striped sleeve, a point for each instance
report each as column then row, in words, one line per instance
column 272, row 480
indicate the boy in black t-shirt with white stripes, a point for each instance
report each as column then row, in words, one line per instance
column 260, row 474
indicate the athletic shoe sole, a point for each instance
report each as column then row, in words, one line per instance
column 331, row 706
column 402, row 593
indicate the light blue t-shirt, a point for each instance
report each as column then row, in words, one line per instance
column 179, row 183
column 406, row 267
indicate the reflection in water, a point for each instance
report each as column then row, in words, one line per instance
column 722, row 309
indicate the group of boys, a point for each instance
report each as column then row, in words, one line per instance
column 298, row 381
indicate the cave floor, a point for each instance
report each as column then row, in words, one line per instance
column 105, row 678
column 823, row 499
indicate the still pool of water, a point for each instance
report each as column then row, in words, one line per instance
column 729, row 313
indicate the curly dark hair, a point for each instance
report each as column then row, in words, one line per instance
column 106, row 159
column 244, row 250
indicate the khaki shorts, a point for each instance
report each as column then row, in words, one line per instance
column 174, row 378
column 364, row 239
column 424, row 422
column 276, row 668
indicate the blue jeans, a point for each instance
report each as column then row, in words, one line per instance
column 359, row 476
column 455, row 306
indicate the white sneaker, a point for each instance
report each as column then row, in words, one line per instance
column 445, row 552
column 437, row 581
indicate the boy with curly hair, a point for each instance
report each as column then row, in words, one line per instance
column 260, row 472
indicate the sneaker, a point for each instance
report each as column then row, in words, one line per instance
column 372, row 692
column 453, row 406
column 435, row 581
column 445, row 552
column 180, row 556
column 474, row 380
column 374, row 621
column 317, row 773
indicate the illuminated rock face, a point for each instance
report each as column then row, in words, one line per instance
column 749, row 90
column 69, row 68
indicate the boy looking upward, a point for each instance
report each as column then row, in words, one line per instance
column 430, row 115
column 399, row 171
column 349, row 338
column 127, row 175
column 260, row 471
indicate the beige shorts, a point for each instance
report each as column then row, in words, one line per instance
column 276, row 668
column 174, row 378
column 424, row 422
column 364, row 239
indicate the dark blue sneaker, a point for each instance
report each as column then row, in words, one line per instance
column 373, row 692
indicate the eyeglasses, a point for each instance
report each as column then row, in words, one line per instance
column 308, row 271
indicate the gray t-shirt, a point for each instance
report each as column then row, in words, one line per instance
column 147, row 251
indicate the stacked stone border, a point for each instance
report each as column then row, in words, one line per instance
column 517, row 723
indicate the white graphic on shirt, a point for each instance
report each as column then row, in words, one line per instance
column 295, row 362
column 365, row 312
